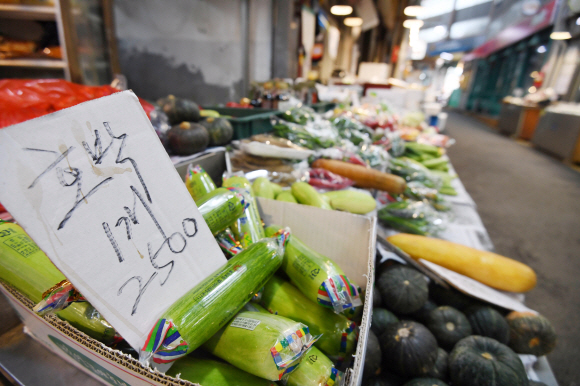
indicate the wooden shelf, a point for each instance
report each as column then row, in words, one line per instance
column 33, row 63
column 28, row 12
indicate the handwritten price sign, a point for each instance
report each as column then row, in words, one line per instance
column 95, row 189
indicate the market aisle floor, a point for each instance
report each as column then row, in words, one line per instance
column 530, row 205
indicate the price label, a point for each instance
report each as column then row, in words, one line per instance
column 94, row 188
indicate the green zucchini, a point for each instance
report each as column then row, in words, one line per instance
column 282, row 298
column 25, row 267
column 315, row 370
column 287, row 196
column 208, row 372
column 316, row 275
column 268, row 346
column 207, row 307
column 263, row 188
column 221, row 208
column 247, row 229
column 198, row 182
column 307, row 195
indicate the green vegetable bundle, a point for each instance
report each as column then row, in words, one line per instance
column 315, row 370
column 221, row 208
column 198, row 182
column 414, row 217
column 247, row 229
column 339, row 335
column 208, row 372
column 25, row 267
column 207, row 307
column 265, row 345
column 319, row 278
column 299, row 135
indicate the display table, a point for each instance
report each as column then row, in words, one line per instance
column 558, row 132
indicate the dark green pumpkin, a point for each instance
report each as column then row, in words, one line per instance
column 536, row 383
column 451, row 297
column 381, row 319
column 385, row 378
column 220, row 130
column 377, row 301
column 188, row 138
column 408, row 349
column 448, row 325
column 422, row 315
column 481, row 361
column 531, row 333
column 403, row 289
column 425, row 382
column 372, row 357
column 179, row 110
column 486, row 321
column 441, row 368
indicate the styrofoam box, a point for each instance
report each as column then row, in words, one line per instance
column 346, row 238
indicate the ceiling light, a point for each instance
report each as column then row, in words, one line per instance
column 560, row 35
column 446, row 56
column 440, row 30
column 413, row 23
column 341, row 10
column 413, row 10
column 541, row 49
column 353, row 21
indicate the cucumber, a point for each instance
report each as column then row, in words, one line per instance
column 221, row 208
column 307, row 195
column 314, row 370
column 268, row 346
column 208, row 372
column 351, row 201
column 286, row 196
column 315, row 274
column 276, row 188
column 282, row 298
column 198, row 182
column 247, row 229
column 25, row 267
column 207, row 307
column 263, row 188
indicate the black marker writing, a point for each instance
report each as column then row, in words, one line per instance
column 142, row 289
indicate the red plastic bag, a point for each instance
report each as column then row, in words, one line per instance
column 24, row 99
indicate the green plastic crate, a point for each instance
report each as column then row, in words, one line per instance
column 247, row 122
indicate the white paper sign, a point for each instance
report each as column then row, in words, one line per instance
column 93, row 186
column 477, row 289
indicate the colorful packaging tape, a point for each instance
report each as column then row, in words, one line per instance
column 339, row 293
column 198, row 182
column 228, row 243
column 58, row 298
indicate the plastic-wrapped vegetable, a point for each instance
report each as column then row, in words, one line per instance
column 414, row 217
column 268, row 346
column 247, row 229
column 207, row 307
column 213, row 373
column 198, row 182
column 25, row 267
column 298, row 135
column 319, row 278
column 418, row 191
column 300, row 115
column 228, row 243
column 339, row 335
column 221, row 208
column 412, row 170
column 324, row 179
column 315, row 370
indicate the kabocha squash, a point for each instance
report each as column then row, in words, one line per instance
column 385, row 378
column 381, row 319
column 408, row 349
column 531, row 333
column 535, row 383
column 372, row 357
column 448, row 325
column 188, row 138
column 481, row 361
column 422, row 314
column 179, row 110
column 377, row 300
column 486, row 267
column 403, row 289
column 486, row 321
column 426, row 382
column 220, row 130
column 441, row 368
column 451, row 297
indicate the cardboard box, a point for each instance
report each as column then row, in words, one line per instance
column 348, row 239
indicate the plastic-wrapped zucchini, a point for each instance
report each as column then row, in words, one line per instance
column 339, row 335
column 268, row 346
column 25, row 267
column 207, row 307
column 198, row 182
column 315, row 370
column 317, row 276
column 221, row 208
column 247, row 229
column 208, row 372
